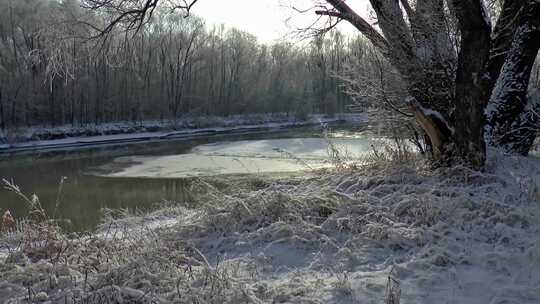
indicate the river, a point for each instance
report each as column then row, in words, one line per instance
column 75, row 186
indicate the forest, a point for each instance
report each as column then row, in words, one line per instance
column 56, row 69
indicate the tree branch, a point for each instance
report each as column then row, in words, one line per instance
column 330, row 13
column 345, row 12
column 395, row 29
column 134, row 14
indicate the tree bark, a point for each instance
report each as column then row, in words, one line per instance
column 512, row 116
column 502, row 37
column 470, row 98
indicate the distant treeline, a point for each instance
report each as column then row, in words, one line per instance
column 51, row 73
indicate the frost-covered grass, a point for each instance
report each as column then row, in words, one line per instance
column 335, row 236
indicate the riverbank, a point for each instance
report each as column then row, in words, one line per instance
column 344, row 236
column 70, row 137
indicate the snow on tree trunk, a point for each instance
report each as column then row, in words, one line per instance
column 436, row 127
column 502, row 37
column 459, row 95
column 511, row 114
column 530, row 122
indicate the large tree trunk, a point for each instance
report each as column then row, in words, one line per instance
column 512, row 116
column 451, row 111
column 448, row 102
column 470, row 98
column 502, row 37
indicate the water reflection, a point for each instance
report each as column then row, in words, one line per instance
column 83, row 195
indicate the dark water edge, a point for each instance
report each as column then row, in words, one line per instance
column 83, row 196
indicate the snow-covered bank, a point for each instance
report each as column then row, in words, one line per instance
column 69, row 137
column 446, row 235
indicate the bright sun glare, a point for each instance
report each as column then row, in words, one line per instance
column 269, row 20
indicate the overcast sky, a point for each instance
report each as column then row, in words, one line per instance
column 264, row 18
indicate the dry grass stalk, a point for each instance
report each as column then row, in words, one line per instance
column 393, row 290
column 41, row 235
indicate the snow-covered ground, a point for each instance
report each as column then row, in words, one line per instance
column 440, row 235
column 70, row 137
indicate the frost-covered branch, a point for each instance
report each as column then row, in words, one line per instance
column 134, row 14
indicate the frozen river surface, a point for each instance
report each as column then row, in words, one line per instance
column 242, row 157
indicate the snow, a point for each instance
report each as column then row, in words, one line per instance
column 447, row 235
column 485, row 14
column 430, row 112
column 509, row 78
column 508, row 96
column 231, row 125
column 191, row 165
column 242, row 157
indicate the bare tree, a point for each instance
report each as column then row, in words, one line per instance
column 450, row 88
column 52, row 73
column 450, row 74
